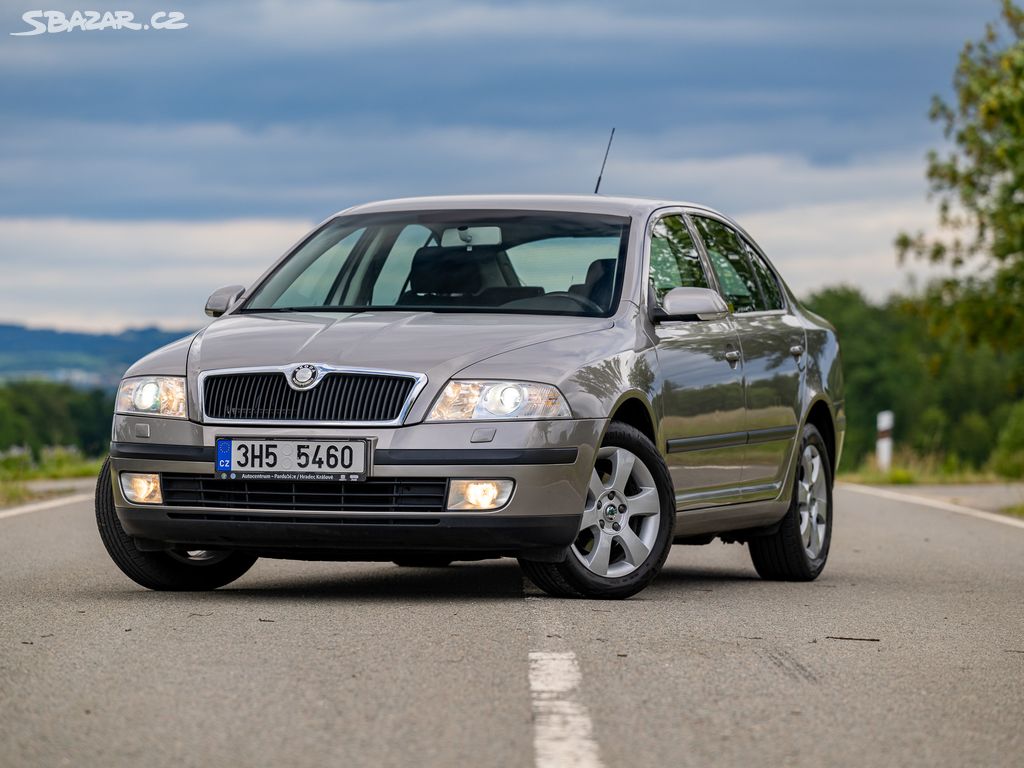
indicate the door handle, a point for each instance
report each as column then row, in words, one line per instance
column 733, row 356
column 797, row 351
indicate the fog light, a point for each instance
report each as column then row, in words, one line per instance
column 141, row 488
column 479, row 494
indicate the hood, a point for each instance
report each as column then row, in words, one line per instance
column 437, row 344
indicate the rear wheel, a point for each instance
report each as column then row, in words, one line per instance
column 180, row 569
column 798, row 550
column 626, row 527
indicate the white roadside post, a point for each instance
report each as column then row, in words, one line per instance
column 883, row 443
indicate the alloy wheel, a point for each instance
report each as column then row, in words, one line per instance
column 198, row 556
column 812, row 501
column 622, row 515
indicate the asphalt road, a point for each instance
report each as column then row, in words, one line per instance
column 367, row 664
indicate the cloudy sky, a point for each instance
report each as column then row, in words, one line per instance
column 139, row 170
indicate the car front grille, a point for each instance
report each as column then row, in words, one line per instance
column 375, row 494
column 339, row 397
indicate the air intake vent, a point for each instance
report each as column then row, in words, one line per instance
column 376, row 494
column 339, row 397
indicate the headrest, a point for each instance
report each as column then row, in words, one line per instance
column 600, row 270
column 445, row 270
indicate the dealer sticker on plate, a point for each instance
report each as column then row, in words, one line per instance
column 244, row 459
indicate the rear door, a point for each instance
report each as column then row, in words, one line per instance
column 772, row 343
column 702, row 385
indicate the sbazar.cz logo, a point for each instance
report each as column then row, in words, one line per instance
column 43, row 22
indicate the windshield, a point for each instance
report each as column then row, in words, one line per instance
column 454, row 261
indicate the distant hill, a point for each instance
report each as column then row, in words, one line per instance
column 82, row 359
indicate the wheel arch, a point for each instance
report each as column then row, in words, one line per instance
column 634, row 410
column 820, row 416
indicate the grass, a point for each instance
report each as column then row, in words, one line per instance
column 16, row 470
column 909, row 468
column 53, row 465
column 13, row 493
column 1015, row 511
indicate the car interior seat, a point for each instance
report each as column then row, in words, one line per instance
column 599, row 283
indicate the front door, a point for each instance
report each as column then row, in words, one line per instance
column 772, row 343
column 702, row 389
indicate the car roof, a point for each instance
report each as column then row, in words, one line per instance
column 621, row 206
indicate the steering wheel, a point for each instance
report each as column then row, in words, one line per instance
column 583, row 301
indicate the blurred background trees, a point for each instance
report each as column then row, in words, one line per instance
column 951, row 398
column 975, row 317
column 38, row 414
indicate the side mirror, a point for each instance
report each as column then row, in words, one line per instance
column 691, row 304
column 222, row 299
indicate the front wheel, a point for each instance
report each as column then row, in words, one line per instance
column 798, row 550
column 626, row 527
column 182, row 569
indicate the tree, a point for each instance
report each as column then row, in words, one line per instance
column 979, row 184
column 41, row 414
column 950, row 399
column 883, row 362
column 1008, row 458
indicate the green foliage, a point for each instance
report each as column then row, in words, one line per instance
column 979, row 185
column 1008, row 459
column 59, row 463
column 39, row 414
column 910, row 468
column 14, row 493
column 901, row 476
column 973, row 435
column 949, row 397
column 975, row 320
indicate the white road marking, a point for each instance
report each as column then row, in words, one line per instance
column 40, row 506
column 563, row 734
column 981, row 514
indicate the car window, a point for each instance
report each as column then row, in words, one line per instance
column 394, row 274
column 675, row 262
column 309, row 281
column 766, row 279
column 542, row 262
column 558, row 263
column 728, row 256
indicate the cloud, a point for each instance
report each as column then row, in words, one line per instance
column 815, row 246
column 225, row 170
column 109, row 275
column 367, row 24
column 279, row 25
column 835, row 78
column 742, row 183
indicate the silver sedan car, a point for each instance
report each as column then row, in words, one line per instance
column 577, row 382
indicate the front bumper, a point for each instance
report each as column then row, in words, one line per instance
column 550, row 462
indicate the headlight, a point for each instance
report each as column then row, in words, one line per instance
column 469, row 400
column 153, row 395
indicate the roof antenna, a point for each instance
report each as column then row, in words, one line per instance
column 603, row 162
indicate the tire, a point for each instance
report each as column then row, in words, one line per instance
column 423, row 561
column 793, row 553
column 174, row 571
column 605, row 561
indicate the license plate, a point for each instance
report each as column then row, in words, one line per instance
column 242, row 458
